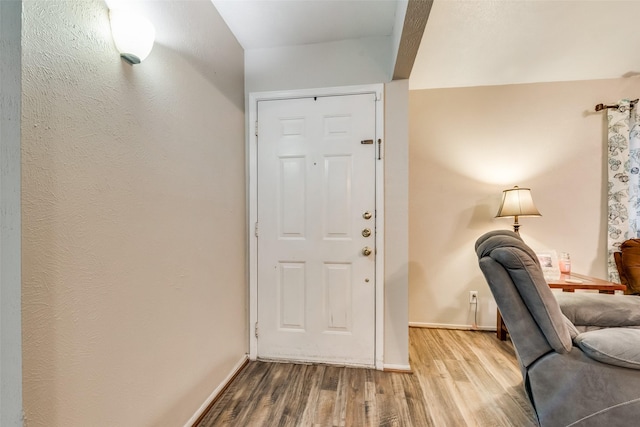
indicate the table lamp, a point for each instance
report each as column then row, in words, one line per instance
column 517, row 202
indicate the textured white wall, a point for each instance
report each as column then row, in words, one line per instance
column 10, row 322
column 469, row 144
column 134, row 288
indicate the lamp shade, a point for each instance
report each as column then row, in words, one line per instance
column 133, row 35
column 516, row 202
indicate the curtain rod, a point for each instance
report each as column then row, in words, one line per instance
column 602, row 106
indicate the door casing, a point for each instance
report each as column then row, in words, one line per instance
column 252, row 161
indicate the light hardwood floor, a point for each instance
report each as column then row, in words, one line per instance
column 459, row 379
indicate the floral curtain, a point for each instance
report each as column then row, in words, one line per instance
column 624, row 178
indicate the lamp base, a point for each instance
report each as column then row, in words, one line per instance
column 516, row 225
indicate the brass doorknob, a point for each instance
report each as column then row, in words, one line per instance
column 366, row 215
column 366, row 251
column 366, row 232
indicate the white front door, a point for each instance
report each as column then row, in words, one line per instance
column 316, row 224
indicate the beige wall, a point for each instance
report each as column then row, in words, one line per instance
column 134, row 288
column 469, row 144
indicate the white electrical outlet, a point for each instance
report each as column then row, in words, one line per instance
column 473, row 297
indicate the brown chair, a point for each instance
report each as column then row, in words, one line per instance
column 628, row 263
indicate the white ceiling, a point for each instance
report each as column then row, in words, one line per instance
column 466, row 42
column 477, row 43
column 273, row 23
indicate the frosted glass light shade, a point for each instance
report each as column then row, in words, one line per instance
column 133, row 35
column 517, row 202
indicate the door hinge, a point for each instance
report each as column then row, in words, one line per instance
column 256, row 128
column 255, row 231
column 379, row 148
column 256, row 329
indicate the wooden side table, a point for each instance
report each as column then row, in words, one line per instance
column 595, row 284
column 585, row 282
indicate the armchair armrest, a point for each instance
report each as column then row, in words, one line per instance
column 613, row 346
column 601, row 310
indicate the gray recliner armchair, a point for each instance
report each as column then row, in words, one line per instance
column 571, row 378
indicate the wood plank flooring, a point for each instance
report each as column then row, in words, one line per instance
column 460, row 378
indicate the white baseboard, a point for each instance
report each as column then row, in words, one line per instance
column 449, row 326
column 217, row 391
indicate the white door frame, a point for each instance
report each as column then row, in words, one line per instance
column 252, row 153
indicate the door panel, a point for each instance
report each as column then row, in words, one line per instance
column 291, row 288
column 337, row 283
column 292, row 198
column 316, row 289
column 337, row 194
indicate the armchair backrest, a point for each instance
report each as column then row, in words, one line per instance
column 529, row 309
